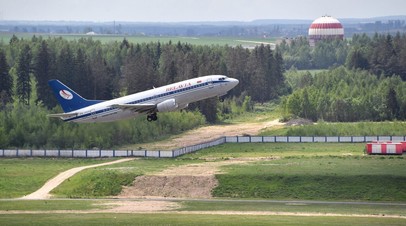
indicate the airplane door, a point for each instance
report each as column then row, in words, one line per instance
column 210, row 82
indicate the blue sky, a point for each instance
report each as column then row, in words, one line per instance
column 194, row 10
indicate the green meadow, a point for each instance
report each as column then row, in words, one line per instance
column 187, row 219
column 231, row 41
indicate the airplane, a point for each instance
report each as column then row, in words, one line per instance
column 167, row 98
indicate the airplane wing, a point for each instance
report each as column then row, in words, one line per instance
column 141, row 108
column 62, row 115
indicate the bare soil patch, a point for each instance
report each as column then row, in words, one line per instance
column 171, row 186
column 188, row 181
column 140, row 206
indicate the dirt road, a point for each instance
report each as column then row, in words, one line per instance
column 208, row 133
column 43, row 192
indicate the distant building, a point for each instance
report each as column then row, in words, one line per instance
column 325, row 27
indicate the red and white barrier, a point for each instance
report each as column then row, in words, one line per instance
column 386, row 148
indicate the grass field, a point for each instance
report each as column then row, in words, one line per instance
column 341, row 129
column 189, row 213
column 231, row 41
column 19, row 177
column 312, row 171
column 321, row 178
column 187, row 219
column 292, row 207
column 298, row 171
column 290, row 150
column 309, row 171
column 47, row 205
column 214, row 205
column 107, row 181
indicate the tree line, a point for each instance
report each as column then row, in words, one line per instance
column 345, row 95
column 298, row 54
column 369, row 84
column 381, row 54
column 107, row 70
column 25, row 126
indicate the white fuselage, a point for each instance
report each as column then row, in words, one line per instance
column 183, row 93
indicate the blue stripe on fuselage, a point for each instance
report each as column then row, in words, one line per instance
column 96, row 113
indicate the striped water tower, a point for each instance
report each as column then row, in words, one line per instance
column 325, row 27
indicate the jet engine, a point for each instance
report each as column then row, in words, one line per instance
column 167, row 105
column 183, row 106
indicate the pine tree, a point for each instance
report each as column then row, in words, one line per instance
column 167, row 66
column 6, row 81
column 103, row 82
column 42, row 73
column 65, row 65
column 392, row 104
column 14, row 40
column 139, row 71
column 258, row 68
column 81, row 76
column 23, row 90
column 236, row 61
column 356, row 59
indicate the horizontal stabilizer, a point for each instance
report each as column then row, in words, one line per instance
column 141, row 108
column 62, row 115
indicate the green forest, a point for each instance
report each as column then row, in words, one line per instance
column 367, row 86
column 364, row 81
column 107, row 70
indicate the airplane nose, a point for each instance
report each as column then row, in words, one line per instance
column 234, row 81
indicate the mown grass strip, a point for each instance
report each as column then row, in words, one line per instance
column 341, row 129
column 316, row 178
column 294, row 207
column 48, row 205
column 187, row 219
column 218, row 205
column 237, row 150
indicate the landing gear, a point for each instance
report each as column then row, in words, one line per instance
column 221, row 99
column 152, row 117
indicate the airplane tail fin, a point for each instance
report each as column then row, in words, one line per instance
column 69, row 99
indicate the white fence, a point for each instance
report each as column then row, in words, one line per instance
column 197, row 147
column 311, row 139
column 9, row 153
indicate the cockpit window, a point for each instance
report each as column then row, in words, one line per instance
column 222, row 78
